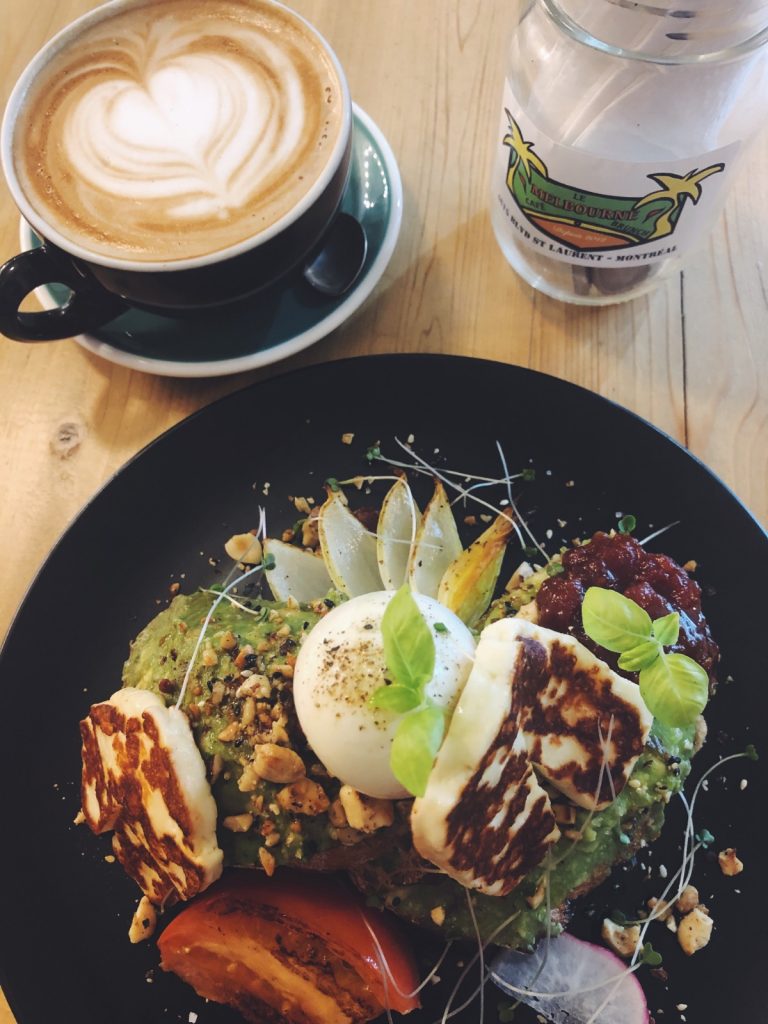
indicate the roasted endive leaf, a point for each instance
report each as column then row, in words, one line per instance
column 396, row 530
column 295, row 572
column 468, row 583
column 349, row 550
column 437, row 545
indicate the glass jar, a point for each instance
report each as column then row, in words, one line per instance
column 621, row 124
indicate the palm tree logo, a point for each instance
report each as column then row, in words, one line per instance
column 675, row 189
column 526, row 158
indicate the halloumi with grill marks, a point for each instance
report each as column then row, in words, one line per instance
column 575, row 713
column 484, row 819
column 144, row 777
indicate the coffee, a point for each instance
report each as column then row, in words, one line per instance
column 178, row 128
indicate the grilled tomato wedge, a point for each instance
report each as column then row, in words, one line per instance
column 292, row 948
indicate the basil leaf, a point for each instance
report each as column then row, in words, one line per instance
column 409, row 647
column 614, row 621
column 667, row 629
column 640, row 657
column 415, row 747
column 394, row 698
column 675, row 688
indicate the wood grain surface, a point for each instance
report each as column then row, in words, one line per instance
column 692, row 357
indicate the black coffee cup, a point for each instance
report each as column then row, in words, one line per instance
column 104, row 287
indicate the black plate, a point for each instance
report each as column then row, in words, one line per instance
column 65, row 910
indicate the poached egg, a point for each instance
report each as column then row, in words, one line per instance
column 341, row 664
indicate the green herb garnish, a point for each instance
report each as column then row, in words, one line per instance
column 268, row 563
column 332, row 483
column 409, row 655
column 440, row 627
column 649, row 956
column 529, row 473
column 627, row 524
column 674, row 686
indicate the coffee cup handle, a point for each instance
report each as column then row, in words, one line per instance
column 89, row 306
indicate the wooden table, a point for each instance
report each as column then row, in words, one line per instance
column 692, row 357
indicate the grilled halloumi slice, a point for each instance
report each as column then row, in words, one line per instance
column 144, row 778
column 537, row 698
column 584, row 725
column 484, row 819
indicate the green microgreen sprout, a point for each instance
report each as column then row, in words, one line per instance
column 528, row 474
column 507, row 1013
column 269, row 562
column 555, row 568
column 674, row 687
column 374, row 452
column 751, row 752
column 409, row 656
column 627, row 524
column 705, row 837
column 649, row 956
column 332, row 483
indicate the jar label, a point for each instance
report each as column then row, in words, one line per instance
column 579, row 208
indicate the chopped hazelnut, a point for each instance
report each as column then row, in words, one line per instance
column 694, row 931
column 688, row 899
column 729, row 862
column 622, row 940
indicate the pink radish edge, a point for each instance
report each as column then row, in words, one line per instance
column 572, row 982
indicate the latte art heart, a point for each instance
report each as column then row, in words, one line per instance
column 183, row 131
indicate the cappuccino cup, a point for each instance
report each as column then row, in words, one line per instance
column 172, row 155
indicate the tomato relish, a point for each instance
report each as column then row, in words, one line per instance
column 656, row 582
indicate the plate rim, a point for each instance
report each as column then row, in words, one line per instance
column 434, row 357
column 284, row 349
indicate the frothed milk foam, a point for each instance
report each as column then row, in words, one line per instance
column 178, row 128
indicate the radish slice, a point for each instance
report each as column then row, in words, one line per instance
column 580, row 976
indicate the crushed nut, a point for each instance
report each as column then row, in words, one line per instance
column 267, row 861
column 665, row 909
column 688, row 900
column 217, row 692
column 438, row 915
column 209, row 657
column 216, row 766
column 366, row 813
column 254, row 686
column 622, row 940
column 227, row 641
column 238, row 822
column 144, row 921
column 230, row 732
column 249, row 712
column 278, row 764
column 302, row 505
column 694, row 931
column 244, row 547
column 249, row 779
column 272, row 839
column 729, row 862
column 303, row 797
column 347, row 438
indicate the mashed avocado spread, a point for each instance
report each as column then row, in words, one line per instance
column 239, row 697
